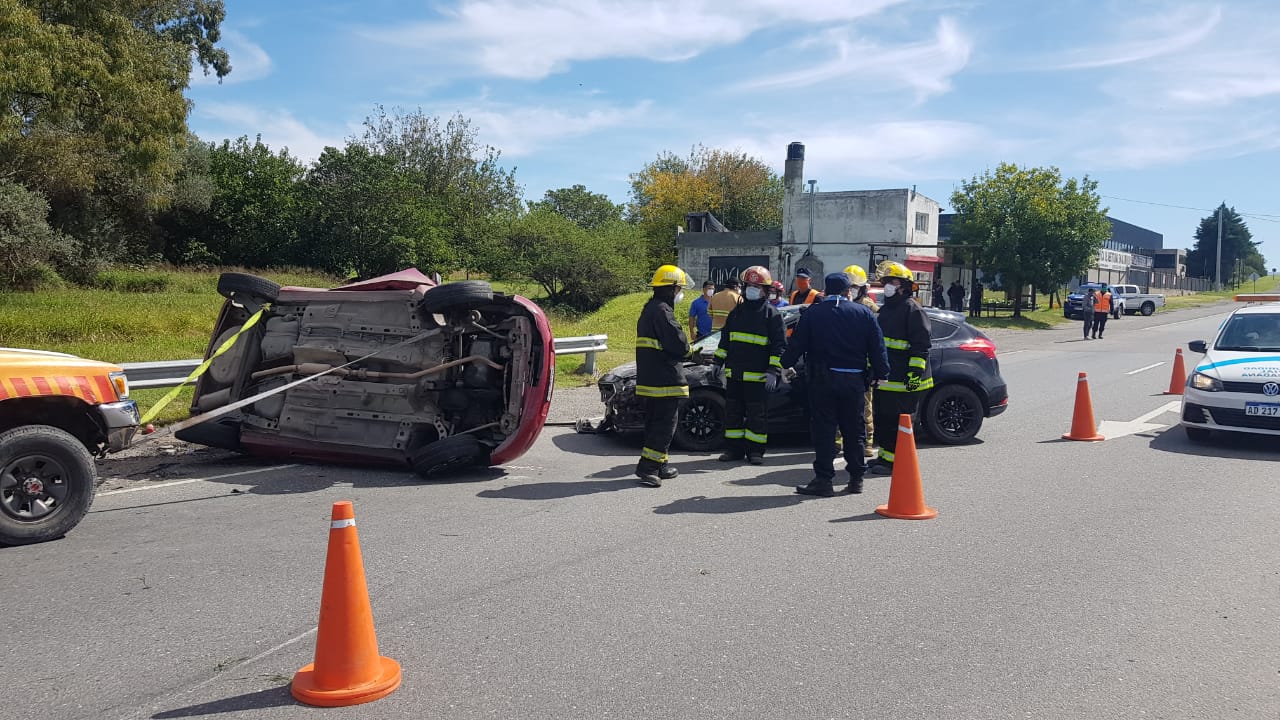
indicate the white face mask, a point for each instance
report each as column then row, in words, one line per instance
column 773, row 297
column 709, row 292
column 753, row 293
column 679, row 296
column 890, row 290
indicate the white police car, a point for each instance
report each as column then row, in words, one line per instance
column 1236, row 387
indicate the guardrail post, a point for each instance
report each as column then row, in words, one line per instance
column 590, row 365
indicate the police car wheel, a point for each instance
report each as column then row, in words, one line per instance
column 47, row 483
column 1198, row 435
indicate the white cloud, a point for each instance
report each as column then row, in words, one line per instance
column 522, row 39
column 927, row 67
column 1163, row 33
column 248, row 61
column 279, row 129
column 521, row 131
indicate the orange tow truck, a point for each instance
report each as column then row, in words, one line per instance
column 57, row 412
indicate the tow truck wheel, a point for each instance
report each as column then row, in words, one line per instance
column 47, row 482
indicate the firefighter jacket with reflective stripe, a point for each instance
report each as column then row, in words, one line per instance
column 752, row 341
column 723, row 303
column 840, row 335
column 661, row 347
column 906, row 335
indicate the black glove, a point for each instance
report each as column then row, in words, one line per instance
column 913, row 381
column 773, row 380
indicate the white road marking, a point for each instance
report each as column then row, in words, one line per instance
column 1112, row 429
column 1180, row 322
column 1144, row 369
column 1011, row 352
column 196, row 480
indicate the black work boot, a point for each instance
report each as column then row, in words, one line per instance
column 666, row 472
column 881, row 468
column 648, row 476
column 755, row 459
column 818, row 487
column 855, row 486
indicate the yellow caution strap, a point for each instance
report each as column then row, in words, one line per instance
column 200, row 370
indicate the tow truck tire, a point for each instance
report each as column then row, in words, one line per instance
column 447, row 455
column 244, row 284
column 63, row 468
column 1148, row 308
column 457, row 295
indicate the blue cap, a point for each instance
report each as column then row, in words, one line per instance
column 803, row 273
column 837, row 283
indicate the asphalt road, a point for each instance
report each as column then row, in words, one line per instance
column 1135, row 577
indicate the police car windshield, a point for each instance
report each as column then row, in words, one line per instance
column 1255, row 332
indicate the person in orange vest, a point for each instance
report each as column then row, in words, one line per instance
column 723, row 303
column 804, row 294
column 1101, row 310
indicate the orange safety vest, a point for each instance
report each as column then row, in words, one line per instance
column 800, row 297
column 1104, row 303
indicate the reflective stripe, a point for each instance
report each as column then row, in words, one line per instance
column 892, row 386
column 754, row 376
column 905, row 429
column 748, row 338
column 336, row 524
column 722, row 353
column 896, row 344
column 648, row 342
column 885, row 455
column 720, row 313
column 844, row 370
column 662, row 392
column 775, row 361
column 728, row 373
column 917, row 362
column 757, row 438
column 734, row 434
column 654, row 455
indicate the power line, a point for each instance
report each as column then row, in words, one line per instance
column 1257, row 216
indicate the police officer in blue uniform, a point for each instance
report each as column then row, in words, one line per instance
column 845, row 356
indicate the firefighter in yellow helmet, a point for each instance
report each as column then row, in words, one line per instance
column 750, row 351
column 906, row 335
column 661, row 347
column 861, row 286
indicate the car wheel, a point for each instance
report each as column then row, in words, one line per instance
column 47, row 482
column 700, row 424
column 246, row 285
column 1148, row 308
column 446, row 455
column 952, row 414
column 1197, row 435
column 458, row 295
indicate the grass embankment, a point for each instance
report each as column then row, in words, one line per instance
column 1264, row 285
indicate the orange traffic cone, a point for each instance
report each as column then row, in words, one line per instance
column 347, row 668
column 906, row 492
column 1082, row 425
column 1178, row 379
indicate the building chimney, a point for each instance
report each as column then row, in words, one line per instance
column 793, row 173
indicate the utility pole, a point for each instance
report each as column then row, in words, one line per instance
column 1217, row 278
column 812, row 189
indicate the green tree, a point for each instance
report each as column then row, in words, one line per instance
column 29, row 248
column 1237, row 245
column 367, row 216
column 1030, row 226
column 576, row 267
column 458, row 175
column 93, row 114
column 581, row 206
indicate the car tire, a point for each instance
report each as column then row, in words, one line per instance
column 41, row 453
column 246, row 285
column 1148, row 308
column 1196, row 435
column 700, row 423
column 458, row 295
column 446, row 455
column 952, row 414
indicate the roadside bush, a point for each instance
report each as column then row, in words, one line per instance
column 579, row 269
column 131, row 281
column 28, row 246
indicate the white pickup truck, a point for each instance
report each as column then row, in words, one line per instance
column 1129, row 299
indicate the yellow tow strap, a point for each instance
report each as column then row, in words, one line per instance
column 169, row 396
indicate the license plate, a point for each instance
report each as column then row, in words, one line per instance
column 1263, row 409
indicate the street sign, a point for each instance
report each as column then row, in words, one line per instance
column 1254, row 277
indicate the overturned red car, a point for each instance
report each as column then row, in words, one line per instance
column 403, row 370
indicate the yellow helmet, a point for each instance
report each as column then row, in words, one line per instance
column 670, row 275
column 857, row 275
column 889, row 268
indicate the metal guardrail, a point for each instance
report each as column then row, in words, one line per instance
column 169, row 373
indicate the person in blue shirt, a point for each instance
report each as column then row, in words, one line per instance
column 700, row 312
column 777, row 294
column 845, row 356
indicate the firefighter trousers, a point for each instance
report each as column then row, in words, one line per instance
column 660, row 416
column 746, row 417
column 888, row 406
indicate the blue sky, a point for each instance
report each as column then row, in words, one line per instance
column 1176, row 103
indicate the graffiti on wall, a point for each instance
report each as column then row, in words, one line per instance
column 723, row 267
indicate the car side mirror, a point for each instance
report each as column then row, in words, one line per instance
column 1198, row 346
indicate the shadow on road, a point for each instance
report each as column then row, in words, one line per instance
column 610, row 444
column 860, row 518
column 260, row 700
column 726, row 505
column 1237, row 446
column 558, row 490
